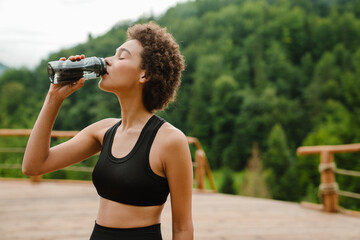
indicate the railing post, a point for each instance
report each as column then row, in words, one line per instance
column 328, row 187
column 200, row 168
column 35, row 179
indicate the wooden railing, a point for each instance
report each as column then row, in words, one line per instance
column 329, row 189
column 201, row 164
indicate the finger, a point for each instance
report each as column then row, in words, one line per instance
column 82, row 56
column 78, row 84
column 77, row 58
column 62, row 59
column 82, row 81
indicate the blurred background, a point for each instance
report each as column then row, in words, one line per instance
column 263, row 77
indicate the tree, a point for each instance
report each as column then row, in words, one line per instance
column 227, row 185
column 224, row 107
column 277, row 156
column 254, row 184
column 12, row 97
column 278, row 160
column 208, row 70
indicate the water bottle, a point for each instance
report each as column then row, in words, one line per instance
column 64, row 72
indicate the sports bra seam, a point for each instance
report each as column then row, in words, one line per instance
column 138, row 205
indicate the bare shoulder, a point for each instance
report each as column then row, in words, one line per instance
column 173, row 144
column 171, row 136
column 99, row 128
column 175, row 155
column 105, row 123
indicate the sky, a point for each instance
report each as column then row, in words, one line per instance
column 32, row 29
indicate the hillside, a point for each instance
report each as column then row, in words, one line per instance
column 2, row 68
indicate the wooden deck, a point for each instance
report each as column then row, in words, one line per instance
column 58, row 211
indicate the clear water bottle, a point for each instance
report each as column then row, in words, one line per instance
column 64, row 72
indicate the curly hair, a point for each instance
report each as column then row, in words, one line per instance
column 162, row 62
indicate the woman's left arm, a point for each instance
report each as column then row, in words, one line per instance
column 179, row 172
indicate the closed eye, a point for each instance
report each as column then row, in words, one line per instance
column 120, row 51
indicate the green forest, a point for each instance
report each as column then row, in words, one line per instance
column 262, row 78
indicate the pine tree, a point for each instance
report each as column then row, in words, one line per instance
column 254, row 184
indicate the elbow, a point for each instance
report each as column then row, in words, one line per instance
column 185, row 232
column 28, row 171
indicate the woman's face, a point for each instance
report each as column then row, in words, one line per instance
column 123, row 69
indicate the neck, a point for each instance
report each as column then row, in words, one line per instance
column 133, row 111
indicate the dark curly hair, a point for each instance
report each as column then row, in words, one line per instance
column 162, row 62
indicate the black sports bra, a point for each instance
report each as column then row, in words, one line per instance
column 130, row 179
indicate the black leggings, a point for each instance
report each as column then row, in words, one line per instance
column 143, row 233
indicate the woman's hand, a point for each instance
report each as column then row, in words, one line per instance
column 61, row 91
column 74, row 58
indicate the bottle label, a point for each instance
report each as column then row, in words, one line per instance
column 90, row 76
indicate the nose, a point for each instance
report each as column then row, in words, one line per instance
column 108, row 61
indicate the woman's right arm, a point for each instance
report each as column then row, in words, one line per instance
column 39, row 158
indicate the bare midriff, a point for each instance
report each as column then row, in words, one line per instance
column 118, row 215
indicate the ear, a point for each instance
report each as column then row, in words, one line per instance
column 144, row 78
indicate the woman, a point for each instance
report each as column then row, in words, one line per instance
column 143, row 158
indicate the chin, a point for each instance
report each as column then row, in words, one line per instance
column 102, row 85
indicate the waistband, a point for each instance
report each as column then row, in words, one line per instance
column 137, row 229
column 152, row 232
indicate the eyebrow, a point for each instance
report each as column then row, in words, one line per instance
column 125, row 50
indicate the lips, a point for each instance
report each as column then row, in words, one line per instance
column 104, row 76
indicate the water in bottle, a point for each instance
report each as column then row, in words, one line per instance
column 64, row 72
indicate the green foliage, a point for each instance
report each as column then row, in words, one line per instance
column 228, row 182
column 278, row 155
column 223, row 112
column 282, row 178
column 279, row 73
